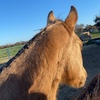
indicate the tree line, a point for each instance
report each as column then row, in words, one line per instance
column 11, row 45
column 90, row 28
column 78, row 29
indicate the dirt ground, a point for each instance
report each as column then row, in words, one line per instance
column 91, row 61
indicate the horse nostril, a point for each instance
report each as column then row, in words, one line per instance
column 81, row 84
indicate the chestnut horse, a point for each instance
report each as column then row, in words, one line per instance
column 52, row 57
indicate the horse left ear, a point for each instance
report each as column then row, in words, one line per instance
column 72, row 18
column 51, row 18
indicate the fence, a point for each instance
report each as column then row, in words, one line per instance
column 8, row 53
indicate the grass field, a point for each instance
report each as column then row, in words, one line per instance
column 7, row 53
column 95, row 35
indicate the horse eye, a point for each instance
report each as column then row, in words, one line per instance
column 81, row 46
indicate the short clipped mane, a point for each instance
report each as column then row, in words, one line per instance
column 26, row 46
column 44, row 62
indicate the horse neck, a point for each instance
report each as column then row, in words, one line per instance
column 45, row 77
column 45, row 69
column 37, row 68
column 15, row 72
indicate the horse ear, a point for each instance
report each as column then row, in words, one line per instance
column 72, row 18
column 51, row 18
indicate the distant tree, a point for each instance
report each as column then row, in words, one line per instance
column 79, row 28
column 90, row 28
column 11, row 45
column 97, row 21
column 87, row 28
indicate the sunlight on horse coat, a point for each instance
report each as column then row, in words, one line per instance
column 52, row 57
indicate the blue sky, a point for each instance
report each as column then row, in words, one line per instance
column 18, row 18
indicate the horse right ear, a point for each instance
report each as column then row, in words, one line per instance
column 72, row 18
column 51, row 18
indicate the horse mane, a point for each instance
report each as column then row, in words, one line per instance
column 26, row 46
column 44, row 62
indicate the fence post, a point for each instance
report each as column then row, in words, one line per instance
column 8, row 53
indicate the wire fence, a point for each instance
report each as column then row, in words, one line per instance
column 8, row 53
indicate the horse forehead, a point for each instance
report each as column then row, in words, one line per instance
column 57, row 22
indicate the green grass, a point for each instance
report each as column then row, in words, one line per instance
column 7, row 53
column 95, row 35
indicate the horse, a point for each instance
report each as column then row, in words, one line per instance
column 85, row 36
column 50, row 58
